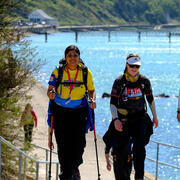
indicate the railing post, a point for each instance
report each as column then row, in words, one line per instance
column 46, row 164
column 20, row 166
column 37, row 170
column 157, row 159
column 0, row 159
column 57, row 170
column 24, row 167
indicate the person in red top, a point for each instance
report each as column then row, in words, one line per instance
column 28, row 121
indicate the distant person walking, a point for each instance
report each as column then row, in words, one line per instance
column 129, row 114
column 178, row 110
column 28, row 121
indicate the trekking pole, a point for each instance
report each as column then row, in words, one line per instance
column 95, row 141
column 51, row 144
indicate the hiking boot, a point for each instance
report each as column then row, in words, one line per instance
column 76, row 175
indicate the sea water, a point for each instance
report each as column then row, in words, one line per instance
column 105, row 56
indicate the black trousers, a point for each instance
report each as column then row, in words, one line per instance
column 117, row 169
column 70, row 125
column 135, row 128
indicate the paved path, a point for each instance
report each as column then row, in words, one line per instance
column 88, row 169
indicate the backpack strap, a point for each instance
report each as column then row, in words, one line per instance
column 124, row 83
column 85, row 75
column 60, row 75
column 142, row 87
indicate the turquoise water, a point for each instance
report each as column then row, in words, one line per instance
column 106, row 60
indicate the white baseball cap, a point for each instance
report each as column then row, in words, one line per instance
column 134, row 61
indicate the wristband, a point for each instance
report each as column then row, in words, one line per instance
column 92, row 101
column 115, row 119
column 107, row 150
column 51, row 91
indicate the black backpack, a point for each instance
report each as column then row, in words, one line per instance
column 62, row 64
column 124, row 83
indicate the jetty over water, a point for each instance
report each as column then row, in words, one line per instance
column 40, row 29
column 169, row 30
column 102, row 27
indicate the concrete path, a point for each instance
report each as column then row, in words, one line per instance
column 88, row 169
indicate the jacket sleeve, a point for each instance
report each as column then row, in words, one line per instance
column 108, row 137
column 150, row 97
column 148, row 91
column 115, row 93
column 35, row 118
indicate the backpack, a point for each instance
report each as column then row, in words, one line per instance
column 124, row 83
column 62, row 64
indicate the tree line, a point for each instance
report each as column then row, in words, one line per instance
column 76, row 12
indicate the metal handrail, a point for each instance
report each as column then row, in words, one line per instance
column 157, row 157
column 162, row 163
column 165, row 144
column 21, row 153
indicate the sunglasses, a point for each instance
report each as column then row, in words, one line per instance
column 132, row 66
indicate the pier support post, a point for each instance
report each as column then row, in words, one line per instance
column 46, row 36
column 76, row 36
column 139, row 36
column 169, row 37
column 109, row 36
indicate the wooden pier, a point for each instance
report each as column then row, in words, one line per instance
column 171, row 30
column 41, row 29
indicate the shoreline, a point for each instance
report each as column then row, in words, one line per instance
column 88, row 169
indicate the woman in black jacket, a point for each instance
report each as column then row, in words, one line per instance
column 129, row 114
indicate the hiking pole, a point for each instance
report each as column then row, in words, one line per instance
column 51, row 144
column 95, row 142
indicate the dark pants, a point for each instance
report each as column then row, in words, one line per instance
column 70, row 125
column 135, row 128
column 128, row 165
column 28, row 128
column 118, row 172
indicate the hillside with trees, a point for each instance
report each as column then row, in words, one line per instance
column 91, row 12
column 18, row 63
